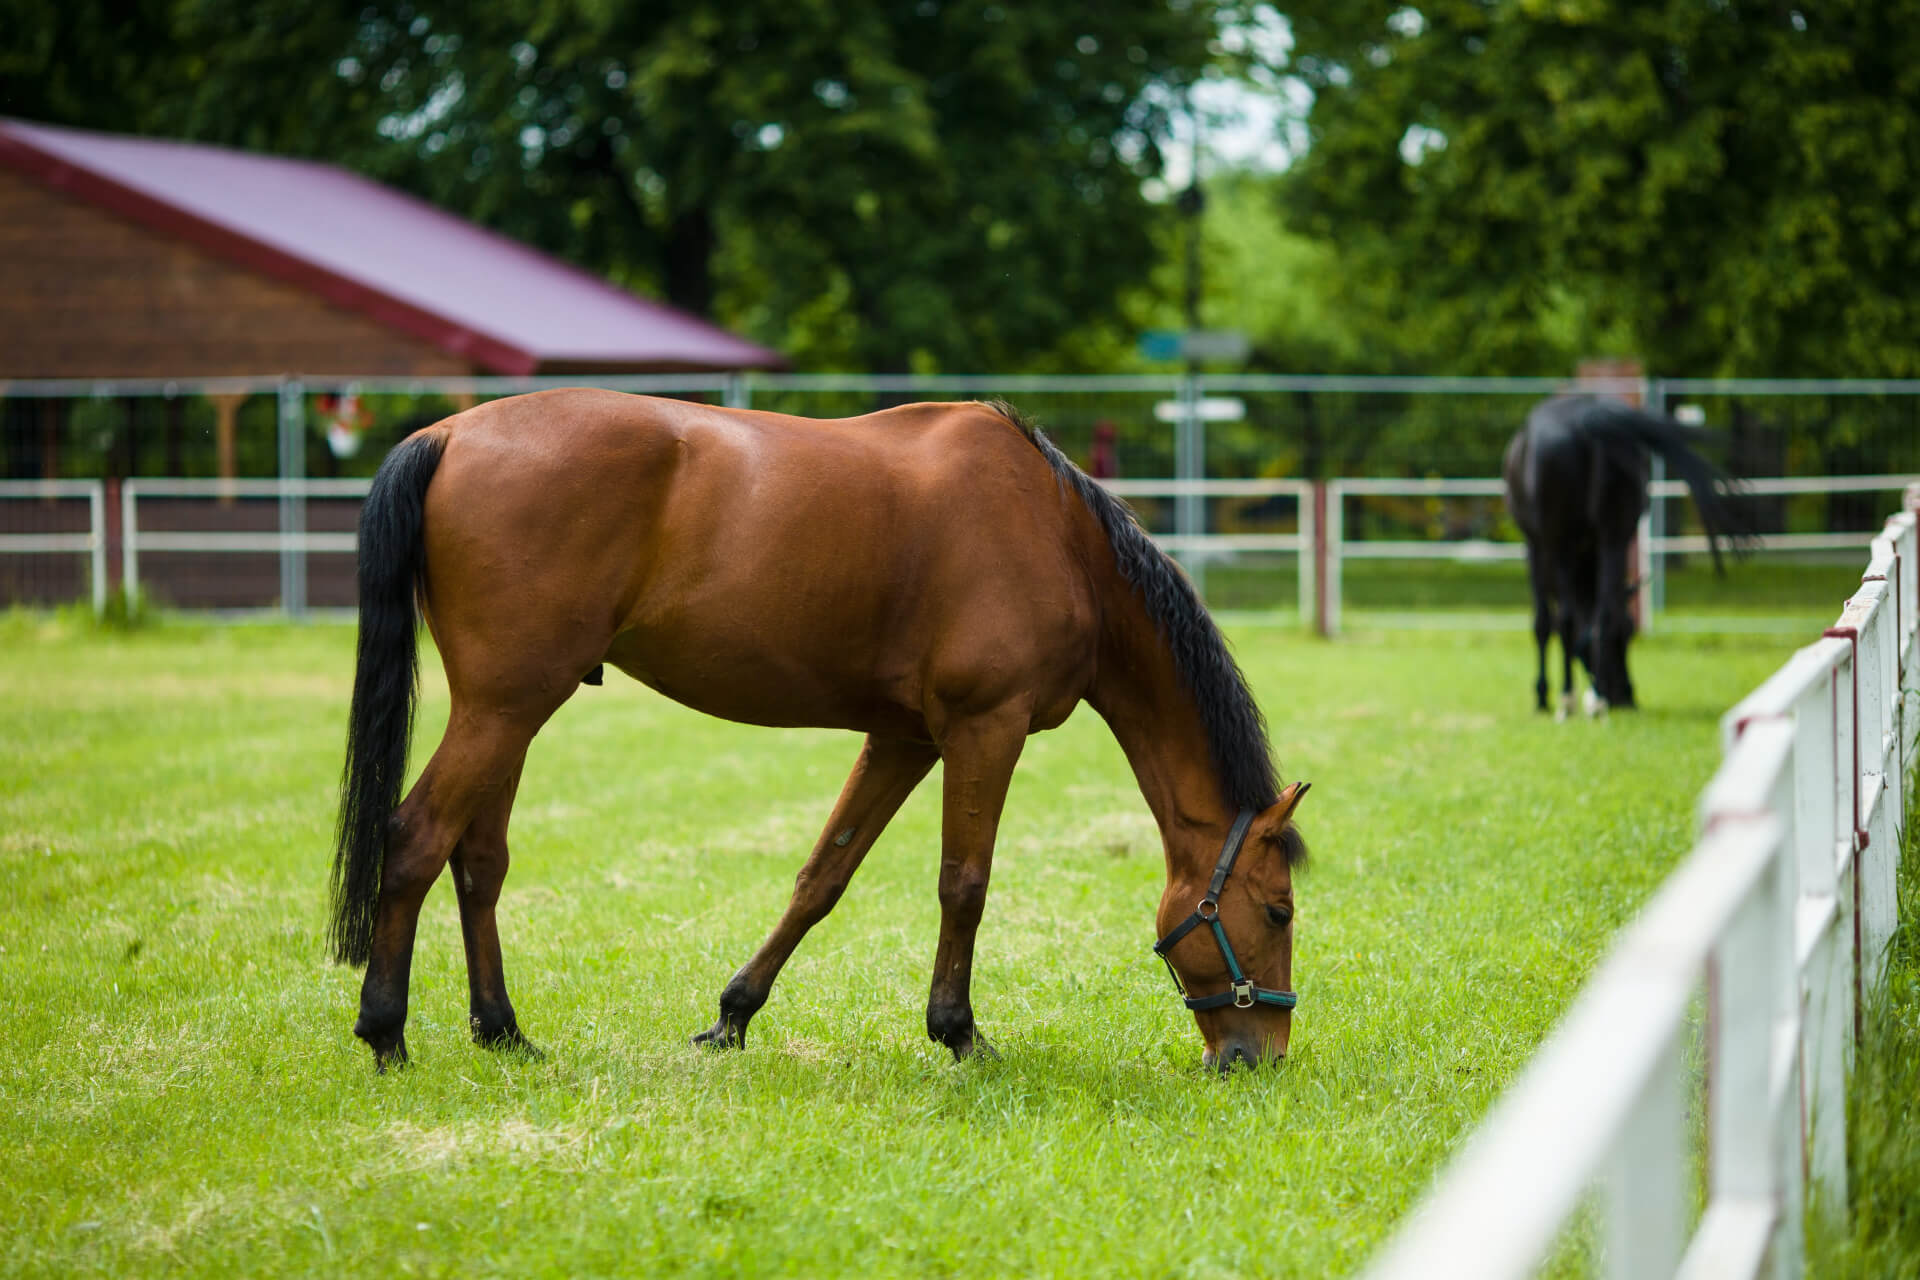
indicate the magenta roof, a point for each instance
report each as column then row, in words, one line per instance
column 371, row 249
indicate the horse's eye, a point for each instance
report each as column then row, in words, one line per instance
column 1279, row 917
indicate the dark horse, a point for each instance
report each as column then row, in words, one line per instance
column 937, row 576
column 1576, row 481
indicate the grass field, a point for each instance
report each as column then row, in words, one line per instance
column 180, row 1090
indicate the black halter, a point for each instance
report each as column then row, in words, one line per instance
column 1242, row 994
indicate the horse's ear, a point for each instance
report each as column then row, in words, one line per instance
column 1282, row 809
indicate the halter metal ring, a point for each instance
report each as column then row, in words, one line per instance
column 1208, row 910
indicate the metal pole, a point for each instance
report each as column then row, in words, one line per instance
column 293, row 503
column 1312, row 501
column 738, row 395
column 129, row 541
column 1189, row 509
column 97, row 527
column 1653, row 582
column 1336, row 527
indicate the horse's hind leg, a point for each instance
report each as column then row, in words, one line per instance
column 883, row 777
column 1542, row 620
column 473, row 770
column 479, row 867
column 1569, row 641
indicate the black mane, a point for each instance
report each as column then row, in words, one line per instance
column 1236, row 731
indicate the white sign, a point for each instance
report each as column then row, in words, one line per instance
column 1207, row 409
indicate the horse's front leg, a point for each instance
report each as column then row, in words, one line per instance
column 882, row 779
column 979, row 755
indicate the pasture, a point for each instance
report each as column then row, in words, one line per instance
column 182, row 1091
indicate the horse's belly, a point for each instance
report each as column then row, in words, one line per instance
column 759, row 684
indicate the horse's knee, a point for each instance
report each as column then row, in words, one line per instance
column 816, row 893
column 412, row 863
column 963, row 892
column 480, row 868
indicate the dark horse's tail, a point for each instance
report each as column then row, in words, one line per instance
column 1618, row 428
column 385, row 679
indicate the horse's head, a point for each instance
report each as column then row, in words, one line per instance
column 1227, row 935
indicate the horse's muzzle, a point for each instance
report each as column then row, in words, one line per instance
column 1234, row 1054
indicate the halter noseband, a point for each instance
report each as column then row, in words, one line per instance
column 1241, row 994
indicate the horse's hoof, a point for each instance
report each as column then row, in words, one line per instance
column 722, row 1035
column 508, row 1039
column 970, row 1043
column 1594, row 705
column 1564, row 710
column 394, row 1055
column 979, row 1048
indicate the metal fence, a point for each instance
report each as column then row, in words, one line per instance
column 1781, row 917
column 1265, row 487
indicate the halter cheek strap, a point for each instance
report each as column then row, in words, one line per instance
column 1241, row 992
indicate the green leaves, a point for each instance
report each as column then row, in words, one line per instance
column 1730, row 189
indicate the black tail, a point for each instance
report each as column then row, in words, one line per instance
column 385, row 680
column 1715, row 493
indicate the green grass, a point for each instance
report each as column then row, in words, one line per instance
column 180, row 1090
column 1881, row 1236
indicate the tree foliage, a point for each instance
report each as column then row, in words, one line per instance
column 887, row 184
column 1728, row 187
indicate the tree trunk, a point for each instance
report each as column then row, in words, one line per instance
column 689, row 262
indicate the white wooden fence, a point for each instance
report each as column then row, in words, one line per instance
column 1782, row 915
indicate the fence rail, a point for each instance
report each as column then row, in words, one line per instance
column 1319, row 546
column 1782, row 915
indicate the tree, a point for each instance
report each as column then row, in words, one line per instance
column 1722, row 188
column 888, row 184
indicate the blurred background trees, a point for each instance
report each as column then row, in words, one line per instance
column 961, row 186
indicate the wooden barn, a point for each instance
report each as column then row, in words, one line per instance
column 145, row 259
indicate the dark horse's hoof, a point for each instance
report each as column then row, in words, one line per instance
column 393, row 1055
column 977, row 1046
column 508, row 1040
column 724, row 1034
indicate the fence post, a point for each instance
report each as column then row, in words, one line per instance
column 1190, row 464
column 97, row 543
column 293, row 503
column 129, row 504
column 738, row 393
column 1322, row 619
column 1332, row 527
column 1653, row 527
column 1307, row 558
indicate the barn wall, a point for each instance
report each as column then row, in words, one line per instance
column 91, row 295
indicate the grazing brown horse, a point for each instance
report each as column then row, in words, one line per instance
column 938, row 577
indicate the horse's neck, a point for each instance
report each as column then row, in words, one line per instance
column 1140, row 694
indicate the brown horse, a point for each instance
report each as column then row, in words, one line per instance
column 938, row 577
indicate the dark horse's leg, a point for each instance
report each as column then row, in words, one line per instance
column 479, row 867
column 1614, row 628
column 1571, row 617
column 1538, row 580
column 979, row 753
column 883, row 777
column 473, row 772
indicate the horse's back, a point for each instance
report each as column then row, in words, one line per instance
column 762, row 567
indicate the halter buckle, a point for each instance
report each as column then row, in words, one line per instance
column 1243, row 994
